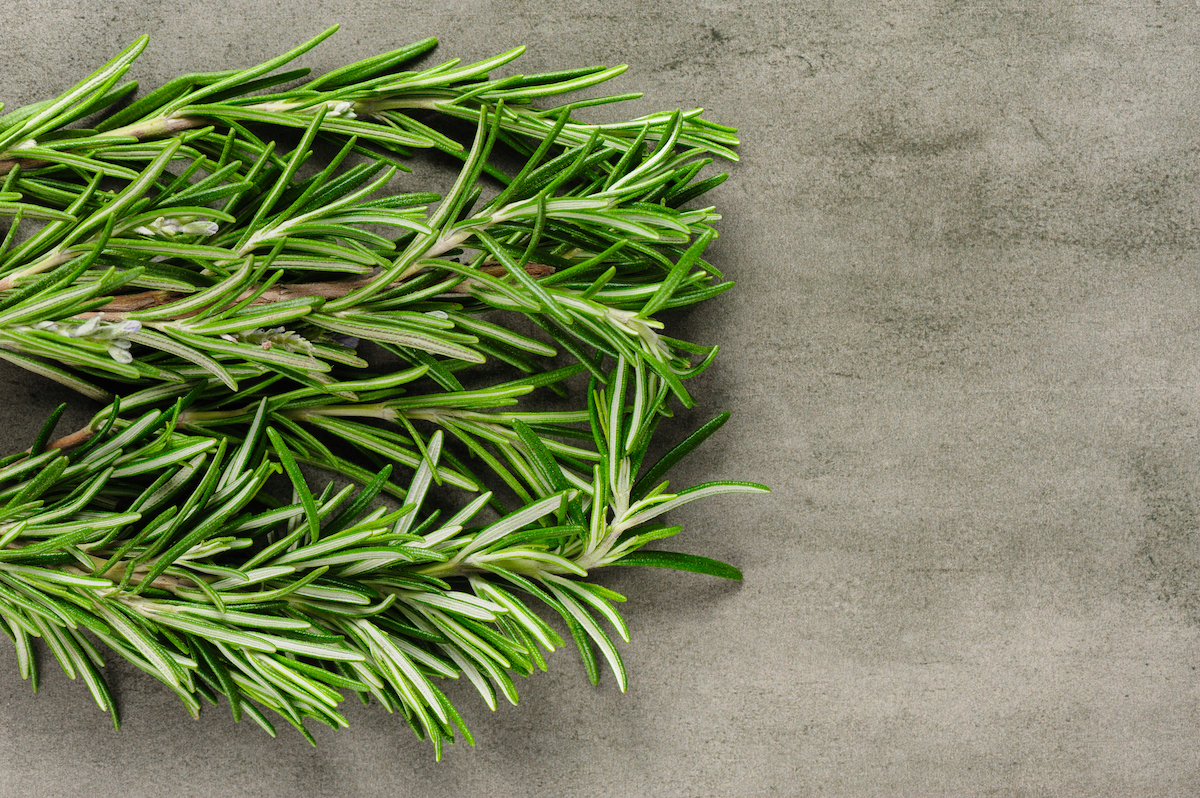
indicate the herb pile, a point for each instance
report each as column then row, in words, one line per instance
column 204, row 263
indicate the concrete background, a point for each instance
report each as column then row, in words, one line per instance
column 963, row 350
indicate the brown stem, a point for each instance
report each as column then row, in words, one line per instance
column 151, row 128
column 7, row 164
column 335, row 289
column 117, row 571
column 74, row 439
column 131, row 303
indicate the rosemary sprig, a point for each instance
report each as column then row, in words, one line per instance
column 210, row 285
column 160, row 544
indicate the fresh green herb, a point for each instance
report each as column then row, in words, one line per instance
column 204, row 262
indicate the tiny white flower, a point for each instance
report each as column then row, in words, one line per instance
column 120, row 354
column 87, row 328
column 168, row 226
column 200, row 228
column 344, row 109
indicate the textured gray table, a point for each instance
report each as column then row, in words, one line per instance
column 964, row 350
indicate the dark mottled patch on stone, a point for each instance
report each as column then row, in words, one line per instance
column 891, row 136
column 1133, row 204
column 1170, row 546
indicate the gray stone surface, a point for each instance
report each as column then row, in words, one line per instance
column 964, row 350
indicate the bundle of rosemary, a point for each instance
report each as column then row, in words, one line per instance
column 205, row 262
